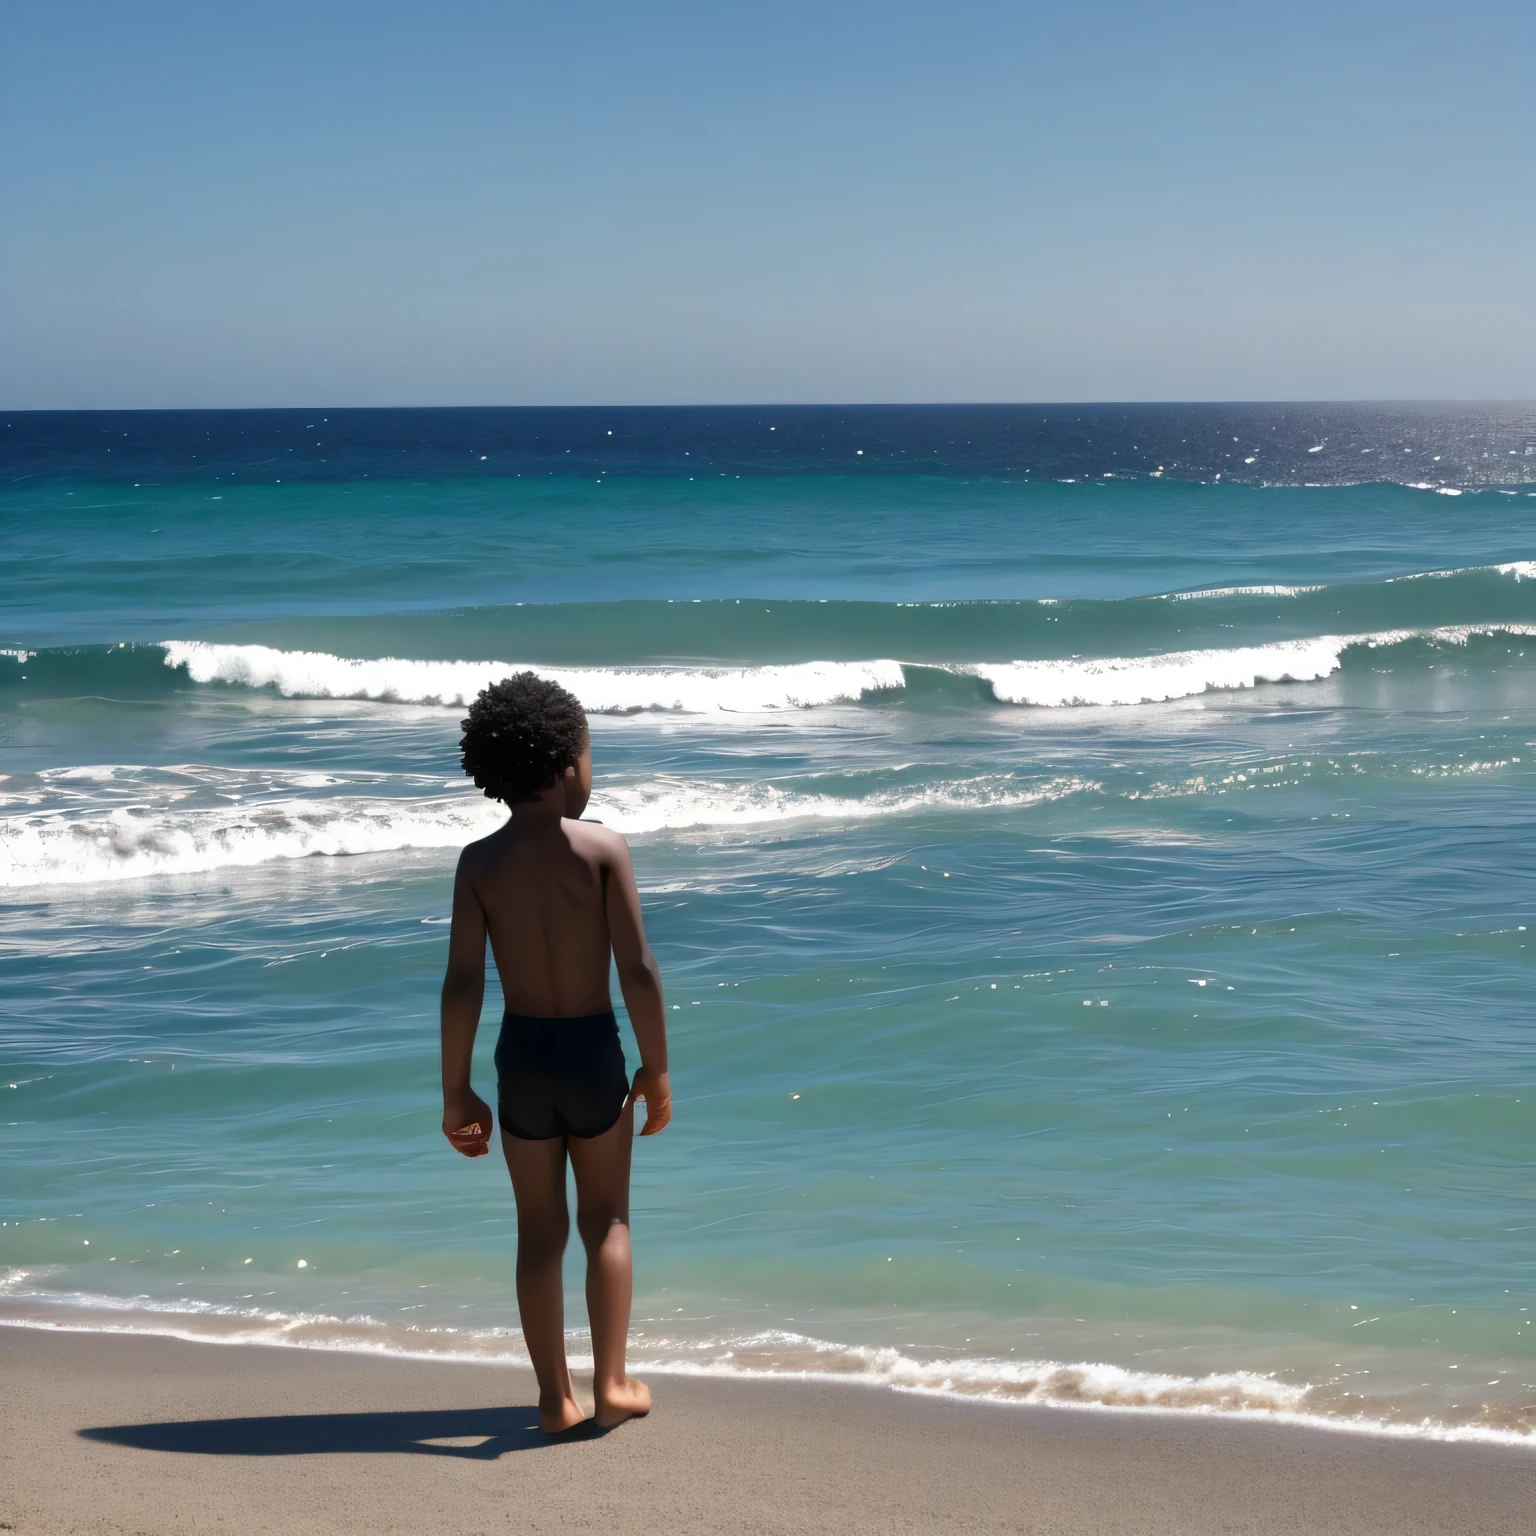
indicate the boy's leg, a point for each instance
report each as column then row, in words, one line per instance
column 601, row 1164
column 543, row 1224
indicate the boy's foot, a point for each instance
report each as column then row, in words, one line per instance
column 560, row 1415
column 630, row 1399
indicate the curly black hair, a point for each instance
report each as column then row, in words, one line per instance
column 521, row 735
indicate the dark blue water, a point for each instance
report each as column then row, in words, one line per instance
column 1255, row 444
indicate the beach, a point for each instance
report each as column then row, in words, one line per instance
column 122, row 1433
column 1028, row 772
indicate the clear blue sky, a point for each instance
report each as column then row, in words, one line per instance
column 230, row 203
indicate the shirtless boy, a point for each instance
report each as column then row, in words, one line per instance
column 556, row 896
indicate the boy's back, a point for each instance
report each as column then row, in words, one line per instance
column 544, row 891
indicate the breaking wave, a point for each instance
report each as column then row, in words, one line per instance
column 130, row 843
column 1182, row 674
column 779, row 1354
column 602, row 690
column 1050, row 682
column 137, row 822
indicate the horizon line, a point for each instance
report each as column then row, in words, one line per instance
column 792, row 405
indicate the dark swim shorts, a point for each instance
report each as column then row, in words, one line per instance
column 560, row 1077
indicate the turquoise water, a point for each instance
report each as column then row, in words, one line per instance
column 1079, row 992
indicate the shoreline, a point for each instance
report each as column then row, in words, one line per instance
column 1047, row 1386
column 113, row 1432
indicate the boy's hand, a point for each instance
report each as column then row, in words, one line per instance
column 467, row 1123
column 656, row 1090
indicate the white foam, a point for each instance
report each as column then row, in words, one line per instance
column 676, row 805
column 1183, row 674
column 1521, row 570
column 769, row 1354
column 1154, row 679
column 1051, row 683
column 1263, row 591
column 74, row 840
column 602, row 690
column 94, row 773
column 130, row 842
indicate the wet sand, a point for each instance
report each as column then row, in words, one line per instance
column 130, row 1434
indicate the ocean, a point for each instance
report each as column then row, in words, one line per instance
column 1089, row 851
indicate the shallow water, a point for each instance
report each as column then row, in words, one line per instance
column 1077, row 994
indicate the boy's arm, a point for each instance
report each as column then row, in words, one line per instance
column 640, row 982
column 466, row 1116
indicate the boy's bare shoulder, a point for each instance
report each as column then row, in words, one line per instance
column 596, row 840
column 474, row 856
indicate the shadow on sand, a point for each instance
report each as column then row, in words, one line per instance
column 482, row 1434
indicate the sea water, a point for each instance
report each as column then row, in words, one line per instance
column 1089, row 852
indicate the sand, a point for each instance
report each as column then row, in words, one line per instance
column 131, row 1434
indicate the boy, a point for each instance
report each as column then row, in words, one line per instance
column 556, row 896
